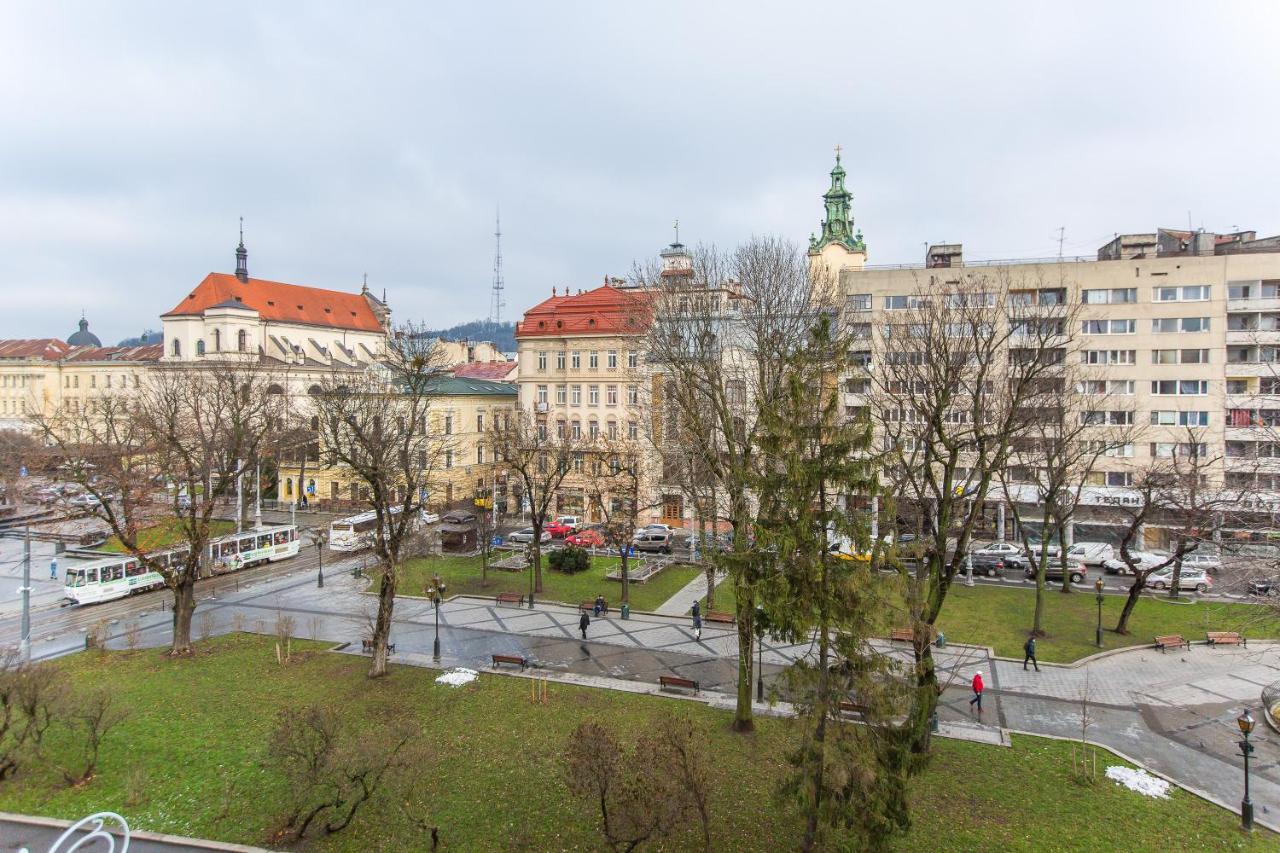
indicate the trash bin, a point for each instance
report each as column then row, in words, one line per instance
column 941, row 642
column 626, row 610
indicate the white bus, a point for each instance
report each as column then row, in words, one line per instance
column 123, row 574
column 356, row 532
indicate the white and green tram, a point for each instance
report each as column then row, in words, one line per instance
column 124, row 574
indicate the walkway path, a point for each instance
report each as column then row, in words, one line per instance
column 695, row 590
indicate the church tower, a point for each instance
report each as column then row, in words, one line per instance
column 242, row 257
column 840, row 246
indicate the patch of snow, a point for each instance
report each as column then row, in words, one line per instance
column 458, row 677
column 1140, row 781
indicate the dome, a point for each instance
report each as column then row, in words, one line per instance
column 84, row 337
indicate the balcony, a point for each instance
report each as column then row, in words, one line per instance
column 1268, row 304
column 1245, row 337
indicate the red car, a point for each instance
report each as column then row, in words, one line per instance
column 587, row 539
column 557, row 530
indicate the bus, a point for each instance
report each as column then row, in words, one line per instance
column 355, row 533
column 124, row 574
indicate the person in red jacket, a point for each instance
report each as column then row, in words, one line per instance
column 977, row 692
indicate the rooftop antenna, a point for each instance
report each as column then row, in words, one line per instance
column 677, row 226
column 497, row 302
column 1062, row 233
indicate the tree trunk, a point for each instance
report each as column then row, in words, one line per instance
column 1175, row 582
column 184, row 605
column 743, row 718
column 537, row 558
column 1062, row 557
column 1037, row 622
column 1122, row 626
column 382, row 623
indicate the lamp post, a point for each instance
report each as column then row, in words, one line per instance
column 320, row 540
column 1097, row 637
column 1245, row 722
column 436, row 591
column 759, row 654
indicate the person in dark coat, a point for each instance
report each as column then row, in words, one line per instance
column 598, row 607
column 977, row 692
column 697, row 609
column 583, row 621
column 697, row 625
column 1029, row 653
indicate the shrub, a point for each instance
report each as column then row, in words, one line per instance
column 570, row 560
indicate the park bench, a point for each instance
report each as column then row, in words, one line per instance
column 905, row 635
column 590, row 607
column 510, row 598
column 514, row 660
column 720, row 616
column 1225, row 638
column 366, row 646
column 848, row 707
column 676, row 681
column 1171, row 641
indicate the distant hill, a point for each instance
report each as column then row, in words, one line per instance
column 149, row 336
column 503, row 335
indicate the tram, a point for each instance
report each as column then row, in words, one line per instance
column 124, row 574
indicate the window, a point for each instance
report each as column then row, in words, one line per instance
column 1119, row 478
column 542, row 360
column 633, row 360
column 1180, row 324
column 897, row 303
column 217, row 340
column 542, row 394
column 199, row 347
column 593, row 430
column 593, row 395
column 611, row 395
column 1108, row 356
column 575, row 395
column 593, row 360
column 633, row 395
column 577, row 429
column 611, row 359
column 1108, row 327
column 480, row 455
column 613, row 429
column 1106, row 386
column 1237, row 386
column 177, row 347
column 560, row 360
column 448, row 420
column 1112, row 296
column 1097, row 417
column 1180, row 387
column 480, row 422
column 575, row 360
column 242, row 340
column 1192, row 293
column 1165, row 417
column 561, row 429
column 860, row 302
column 633, row 430
column 561, row 391
column 448, row 459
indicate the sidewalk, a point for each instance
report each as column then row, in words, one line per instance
column 695, row 590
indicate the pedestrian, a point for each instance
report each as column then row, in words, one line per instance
column 697, row 610
column 977, row 692
column 583, row 621
column 598, row 608
column 697, row 625
column 1029, row 653
column 53, row 569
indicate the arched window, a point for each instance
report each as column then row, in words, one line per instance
column 274, row 389
column 177, row 347
column 217, row 340
column 199, row 347
column 313, row 390
column 242, row 340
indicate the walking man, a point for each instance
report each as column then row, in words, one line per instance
column 1029, row 653
column 583, row 622
column 53, row 569
column 977, row 692
column 697, row 625
column 697, row 609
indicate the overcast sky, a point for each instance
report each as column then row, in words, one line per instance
column 379, row 138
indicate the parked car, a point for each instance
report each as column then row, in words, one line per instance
column 654, row 541
column 85, row 501
column 526, row 535
column 1077, row 572
column 557, row 529
column 1206, row 561
column 658, row 528
column 1091, row 553
column 1144, row 559
column 991, row 565
column 459, row 516
column 589, row 538
column 1196, row 579
column 573, row 522
column 1010, row 552
column 1264, row 586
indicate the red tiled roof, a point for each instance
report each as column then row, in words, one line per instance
column 607, row 310
column 147, row 352
column 281, row 303
column 49, row 349
column 496, row 370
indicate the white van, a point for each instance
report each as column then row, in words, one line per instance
column 1091, row 553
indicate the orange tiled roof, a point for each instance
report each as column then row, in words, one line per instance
column 607, row 310
column 281, row 303
column 496, row 370
column 49, row 349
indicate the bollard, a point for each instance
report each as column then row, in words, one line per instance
column 626, row 610
column 941, row 642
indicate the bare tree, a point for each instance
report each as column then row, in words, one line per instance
column 613, row 473
column 378, row 424
column 30, row 698
column 198, row 429
column 94, row 715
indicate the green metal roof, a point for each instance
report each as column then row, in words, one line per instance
column 454, row 386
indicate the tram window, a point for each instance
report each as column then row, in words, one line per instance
column 246, row 544
column 75, row 578
column 134, row 569
column 117, row 572
column 282, row 537
column 91, row 575
column 264, row 541
column 229, row 549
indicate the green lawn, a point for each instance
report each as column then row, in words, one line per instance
column 462, row 577
column 190, row 760
column 1000, row 617
column 168, row 532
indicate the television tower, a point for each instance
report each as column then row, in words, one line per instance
column 497, row 302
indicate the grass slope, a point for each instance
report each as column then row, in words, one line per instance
column 168, row 532
column 198, row 729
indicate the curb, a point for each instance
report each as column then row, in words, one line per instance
column 139, row 834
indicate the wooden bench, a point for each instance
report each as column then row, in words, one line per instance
column 366, row 646
column 905, row 635
column 1225, row 638
column 848, row 707
column 514, row 660
column 1171, row 641
column 590, row 607
column 510, row 598
column 676, row 681
column 719, row 616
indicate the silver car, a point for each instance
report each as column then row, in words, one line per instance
column 1188, row 578
column 526, row 535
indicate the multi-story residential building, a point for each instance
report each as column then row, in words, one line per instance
column 1179, row 329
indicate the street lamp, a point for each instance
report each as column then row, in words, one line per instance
column 759, row 654
column 436, row 591
column 1245, row 722
column 1097, row 637
column 320, row 540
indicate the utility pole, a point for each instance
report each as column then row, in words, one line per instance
column 239, row 496
column 24, row 645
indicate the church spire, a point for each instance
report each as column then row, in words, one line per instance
column 242, row 257
column 838, row 226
